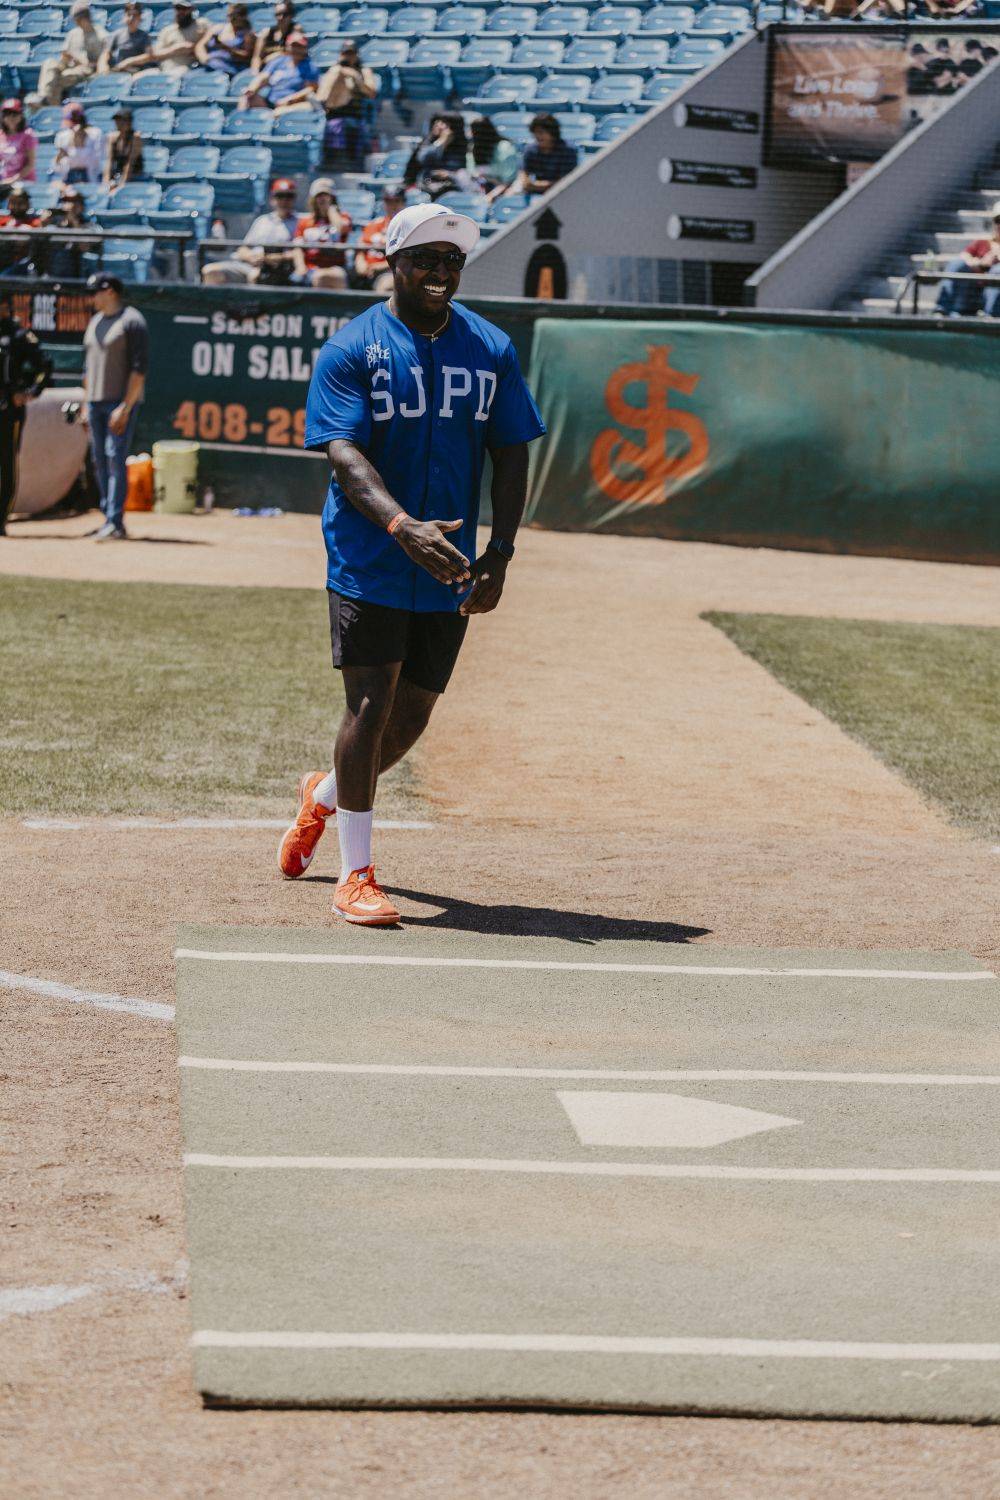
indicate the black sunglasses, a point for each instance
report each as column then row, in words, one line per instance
column 429, row 260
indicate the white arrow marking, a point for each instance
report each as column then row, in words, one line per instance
column 605, row 1118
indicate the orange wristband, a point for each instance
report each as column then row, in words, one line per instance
column 396, row 521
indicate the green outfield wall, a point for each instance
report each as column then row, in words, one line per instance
column 767, row 429
column 832, row 439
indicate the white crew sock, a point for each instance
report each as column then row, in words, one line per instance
column 355, row 830
column 325, row 791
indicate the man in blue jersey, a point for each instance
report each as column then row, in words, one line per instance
column 406, row 401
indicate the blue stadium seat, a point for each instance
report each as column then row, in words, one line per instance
column 357, row 203
column 102, row 115
column 615, row 20
column 383, row 53
column 155, row 85
column 136, row 197
column 411, row 20
column 612, row 91
column 261, row 17
column 294, row 142
column 198, row 121
column 592, row 52
column 186, row 205
column 8, row 22
column 427, row 75
column 364, row 20
column 577, row 129
column 45, row 194
column 153, row 120
column 460, row 20
column 42, row 22
column 669, row 21
column 706, row 46
column 567, row 20
column 16, row 51
column 317, row 20
column 245, row 77
column 128, row 259
column 515, row 124
column 107, row 86
column 249, row 122
column 657, row 89
column 510, row 206
column 503, row 88
column 203, row 85
column 562, row 90
column 155, row 159
column 642, row 52
column 192, row 162
column 393, row 165
column 472, row 204
column 612, row 126
column 242, row 181
column 511, row 20
column 536, row 53
column 480, row 59
column 45, row 155
column 94, row 194
column 46, row 121
column 690, row 57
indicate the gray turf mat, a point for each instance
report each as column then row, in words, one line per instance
column 827, row 1298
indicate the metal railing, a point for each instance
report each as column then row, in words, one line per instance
column 916, row 279
column 36, row 241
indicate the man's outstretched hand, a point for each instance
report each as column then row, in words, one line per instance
column 426, row 544
column 488, row 574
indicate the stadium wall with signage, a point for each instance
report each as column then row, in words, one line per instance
column 680, row 210
column 834, row 440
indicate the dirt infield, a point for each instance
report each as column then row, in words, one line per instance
column 606, row 764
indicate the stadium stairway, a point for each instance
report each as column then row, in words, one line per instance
column 961, row 217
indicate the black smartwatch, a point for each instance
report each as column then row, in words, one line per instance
column 505, row 549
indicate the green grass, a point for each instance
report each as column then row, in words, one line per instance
column 162, row 698
column 924, row 698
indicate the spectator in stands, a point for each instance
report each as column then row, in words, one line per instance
column 130, row 47
column 66, row 258
column 173, row 50
column 493, row 160
column 371, row 269
column 82, row 50
column 547, row 159
column 228, row 48
column 286, row 81
column 15, row 260
column 265, row 254
column 973, row 62
column 123, row 158
column 964, row 299
column 273, row 38
column 79, row 155
column 316, row 261
column 438, row 164
column 342, row 93
column 17, row 147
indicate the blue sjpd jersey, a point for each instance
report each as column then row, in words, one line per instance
column 424, row 413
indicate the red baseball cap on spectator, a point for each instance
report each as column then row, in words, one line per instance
column 298, row 37
column 283, row 185
column 12, row 106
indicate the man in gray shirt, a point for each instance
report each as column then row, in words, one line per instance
column 116, row 352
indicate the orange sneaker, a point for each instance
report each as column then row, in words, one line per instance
column 361, row 899
column 298, row 845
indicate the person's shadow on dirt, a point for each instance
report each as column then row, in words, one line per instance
column 540, row 921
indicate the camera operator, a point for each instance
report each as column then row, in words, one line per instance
column 24, row 374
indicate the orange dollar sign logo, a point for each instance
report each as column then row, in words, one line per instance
column 659, row 469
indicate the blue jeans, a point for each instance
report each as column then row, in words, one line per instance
column 110, row 452
column 959, row 299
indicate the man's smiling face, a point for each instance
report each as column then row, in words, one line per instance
column 427, row 277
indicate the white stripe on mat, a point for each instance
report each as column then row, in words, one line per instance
column 591, row 1168
column 567, row 1343
column 619, row 1075
column 52, row 825
column 151, row 1009
column 223, row 956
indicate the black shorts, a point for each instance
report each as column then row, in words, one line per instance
column 372, row 635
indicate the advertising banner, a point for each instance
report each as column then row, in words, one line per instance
column 850, row 96
column 828, row 440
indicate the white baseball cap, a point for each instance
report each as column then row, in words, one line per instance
column 426, row 222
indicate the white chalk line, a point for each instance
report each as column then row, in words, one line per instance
column 411, row 961
column 565, row 1343
column 590, row 1168
column 61, row 825
column 618, row 1075
column 152, row 1010
column 24, row 1301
